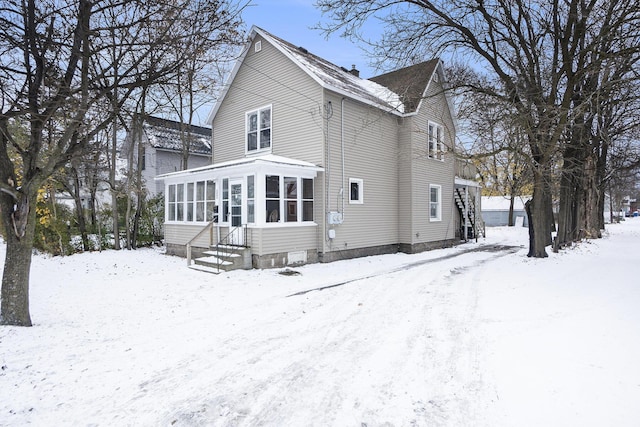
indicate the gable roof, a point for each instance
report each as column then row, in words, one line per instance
column 163, row 134
column 399, row 92
column 338, row 79
column 409, row 83
column 326, row 74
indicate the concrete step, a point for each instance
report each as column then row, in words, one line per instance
column 205, row 269
column 212, row 261
column 221, row 254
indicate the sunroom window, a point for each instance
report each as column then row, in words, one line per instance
column 288, row 199
column 259, row 129
column 272, row 183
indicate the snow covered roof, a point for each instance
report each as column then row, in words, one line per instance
column 501, row 203
column 385, row 92
column 335, row 78
column 164, row 134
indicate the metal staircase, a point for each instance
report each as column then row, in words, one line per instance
column 469, row 216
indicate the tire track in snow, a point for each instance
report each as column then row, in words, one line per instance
column 343, row 356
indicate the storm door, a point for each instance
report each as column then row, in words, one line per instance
column 235, row 204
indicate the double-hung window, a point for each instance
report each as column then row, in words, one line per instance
column 435, row 202
column 258, row 127
column 436, row 141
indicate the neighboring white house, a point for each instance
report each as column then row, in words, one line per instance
column 313, row 163
column 495, row 210
column 163, row 146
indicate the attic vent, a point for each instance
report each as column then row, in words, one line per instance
column 435, row 77
column 258, row 46
column 303, row 50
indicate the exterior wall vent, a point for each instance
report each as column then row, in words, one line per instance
column 258, row 46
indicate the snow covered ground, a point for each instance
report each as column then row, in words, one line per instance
column 476, row 335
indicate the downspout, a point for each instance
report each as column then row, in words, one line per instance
column 328, row 114
column 342, row 153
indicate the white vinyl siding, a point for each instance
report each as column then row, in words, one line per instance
column 269, row 78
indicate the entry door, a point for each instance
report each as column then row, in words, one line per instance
column 235, row 202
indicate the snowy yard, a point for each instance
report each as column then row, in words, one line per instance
column 451, row 337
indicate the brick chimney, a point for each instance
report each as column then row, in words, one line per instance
column 354, row 71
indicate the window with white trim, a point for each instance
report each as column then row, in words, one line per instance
column 225, row 200
column 272, row 185
column 258, row 125
column 211, row 209
column 171, row 203
column 251, row 199
column 356, row 191
column 435, row 143
column 307, row 199
column 291, row 198
column 191, row 201
column 435, row 202
column 288, row 199
column 190, row 194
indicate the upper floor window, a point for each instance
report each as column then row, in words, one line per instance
column 436, row 141
column 259, row 129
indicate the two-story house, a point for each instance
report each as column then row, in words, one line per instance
column 313, row 163
column 163, row 143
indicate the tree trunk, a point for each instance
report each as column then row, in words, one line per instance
column 511, row 203
column 592, row 211
column 82, row 224
column 112, row 182
column 539, row 221
column 14, row 309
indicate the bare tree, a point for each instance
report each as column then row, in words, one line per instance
column 57, row 63
column 534, row 54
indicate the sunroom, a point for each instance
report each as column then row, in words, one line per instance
column 265, row 203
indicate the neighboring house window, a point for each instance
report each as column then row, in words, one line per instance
column 272, row 184
column 356, row 191
column 251, row 199
column 307, row 199
column 143, row 162
column 259, row 130
column 436, row 141
column 435, row 202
